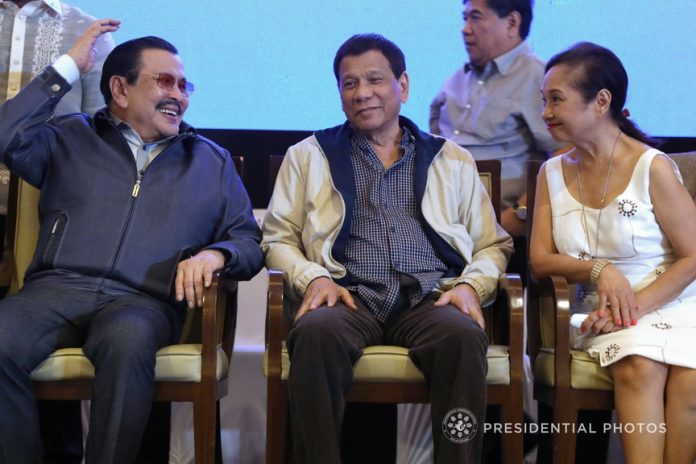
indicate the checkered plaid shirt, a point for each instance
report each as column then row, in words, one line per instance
column 388, row 255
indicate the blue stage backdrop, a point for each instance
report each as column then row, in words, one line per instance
column 268, row 64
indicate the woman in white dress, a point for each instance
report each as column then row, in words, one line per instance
column 613, row 216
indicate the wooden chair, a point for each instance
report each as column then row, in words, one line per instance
column 195, row 370
column 385, row 374
column 568, row 380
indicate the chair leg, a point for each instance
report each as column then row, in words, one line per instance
column 204, row 427
column 277, row 423
column 218, row 434
column 565, row 414
column 513, row 443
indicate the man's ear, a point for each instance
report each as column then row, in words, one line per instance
column 119, row 91
column 404, row 86
column 514, row 22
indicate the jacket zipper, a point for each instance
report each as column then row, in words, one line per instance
column 119, row 247
column 51, row 237
column 136, row 187
column 134, row 196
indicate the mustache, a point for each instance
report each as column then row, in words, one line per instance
column 170, row 102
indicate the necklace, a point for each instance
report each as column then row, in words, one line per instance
column 601, row 204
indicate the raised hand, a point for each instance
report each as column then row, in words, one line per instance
column 83, row 51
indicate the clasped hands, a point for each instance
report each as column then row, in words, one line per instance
column 324, row 291
column 618, row 306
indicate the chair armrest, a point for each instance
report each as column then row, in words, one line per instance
column 511, row 294
column 275, row 330
column 218, row 322
column 553, row 289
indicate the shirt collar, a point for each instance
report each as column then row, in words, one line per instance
column 407, row 145
column 132, row 136
column 504, row 61
column 52, row 4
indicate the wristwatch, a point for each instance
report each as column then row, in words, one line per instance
column 521, row 212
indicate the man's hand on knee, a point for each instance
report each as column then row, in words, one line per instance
column 464, row 298
column 324, row 291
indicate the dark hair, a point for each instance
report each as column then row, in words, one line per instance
column 503, row 8
column 596, row 68
column 124, row 60
column 361, row 43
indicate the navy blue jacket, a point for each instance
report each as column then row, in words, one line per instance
column 95, row 224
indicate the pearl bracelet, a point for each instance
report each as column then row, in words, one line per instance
column 597, row 268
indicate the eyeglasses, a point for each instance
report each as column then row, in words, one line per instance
column 166, row 82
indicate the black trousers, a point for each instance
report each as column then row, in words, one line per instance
column 446, row 345
column 61, row 433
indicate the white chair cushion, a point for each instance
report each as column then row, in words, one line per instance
column 585, row 371
column 386, row 363
column 64, row 364
column 175, row 363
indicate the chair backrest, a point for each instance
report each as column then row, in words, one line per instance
column 686, row 162
column 538, row 336
column 274, row 162
column 22, row 229
column 489, row 173
column 239, row 166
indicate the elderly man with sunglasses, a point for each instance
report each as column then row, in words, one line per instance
column 137, row 212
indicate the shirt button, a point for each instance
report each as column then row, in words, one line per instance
column 18, row 38
column 467, row 106
column 456, row 132
column 55, row 88
column 21, row 17
column 15, row 61
column 480, row 82
column 13, row 88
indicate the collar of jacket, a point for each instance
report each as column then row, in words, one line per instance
column 107, row 130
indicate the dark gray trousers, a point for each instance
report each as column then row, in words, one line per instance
column 447, row 345
column 120, row 334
